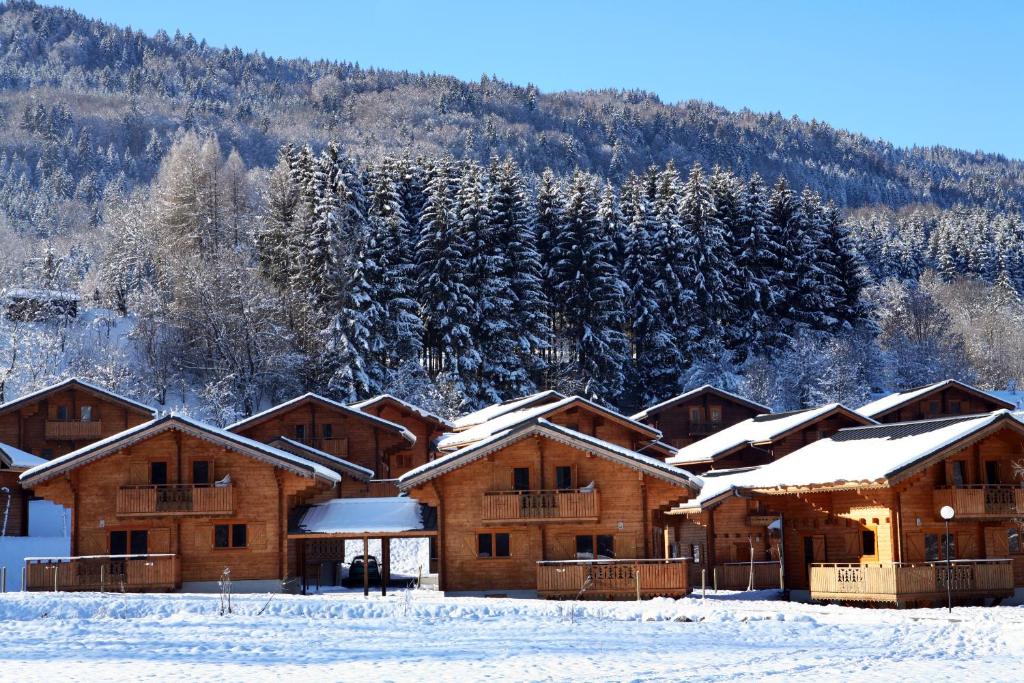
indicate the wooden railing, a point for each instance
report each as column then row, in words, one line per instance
column 73, row 430
column 980, row 500
column 905, row 582
column 736, row 575
column 101, row 573
column 518, row 506
column 338, row 447
column 602, row 579
column 704, row 428
column 176, row 499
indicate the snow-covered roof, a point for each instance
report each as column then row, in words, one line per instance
column 692, row 393
column 74, row 382
column 411, row 407
column 498, row 409
column 112, row 444
column 17, row 459
column 506, row 420
column 327, row 459
column 363, row 516
column 538, row 425
column 855, row 456
column 323, row 400
column 888, row 403
column 756, row 430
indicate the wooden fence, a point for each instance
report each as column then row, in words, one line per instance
column 73, row 430
column 540, row 505
column 101, row 573
column 736, row 576
column 906, row 582
column 603, row 579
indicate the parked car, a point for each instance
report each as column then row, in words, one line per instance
column 356, row 569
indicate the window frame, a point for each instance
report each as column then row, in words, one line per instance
column 210, row 478
column 595, row 543
column 560, row 470
column 515, row 478
column 493, row 538
column 85, row 413
column 230, row 536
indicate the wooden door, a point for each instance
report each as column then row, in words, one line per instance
column 997, row 542
column 814, row 552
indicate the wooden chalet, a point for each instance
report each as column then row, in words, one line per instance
column 359, row 438
column 495, row 411
column 855, row 517
column 763, row 438
column 423, row 424
column 557, row 500
column 695, row 414
column 171, row 504
column 13, row 498
column 942, row 399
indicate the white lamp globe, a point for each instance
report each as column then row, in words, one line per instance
column 946, row 512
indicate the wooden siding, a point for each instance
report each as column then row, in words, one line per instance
column 946, row 400
column 677, row 428
column 401, row 461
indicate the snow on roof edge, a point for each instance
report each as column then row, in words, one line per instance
column 359, row 405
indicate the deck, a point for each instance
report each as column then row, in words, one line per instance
column 611, row 579
column 898, row 583
column 117, row 573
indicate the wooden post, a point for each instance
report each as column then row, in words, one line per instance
column 366, row 568
column 636, row 572
column 385, row 564
column 300, row 560
column 714, row 577
column 703, row 584
column 664, row 533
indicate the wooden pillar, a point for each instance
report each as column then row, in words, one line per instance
column 385, row 564
column 366, row 568
column 646, row 516
column 300, row 560
column 177, row 457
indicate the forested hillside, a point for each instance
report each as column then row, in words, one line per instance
column 244, row 228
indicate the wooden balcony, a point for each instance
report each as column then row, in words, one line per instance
column 611, row 579
column 73, row 430
column 980, row 501
column 116, row 573
column 175, row 499
column 338, row 447
column 737, row 576
column 901, row 583
column 540, row 506
column 704, row 428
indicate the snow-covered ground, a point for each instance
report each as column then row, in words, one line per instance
column 424, row 636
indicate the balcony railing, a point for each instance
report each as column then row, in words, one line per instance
column 907, row 582
column 520, row 506
column 981, row 500
column 604, row 579
column 175, row 499
column 338, row 447
column 737, row 576
column 704, row 428
column 73, row 430
column 101, row 573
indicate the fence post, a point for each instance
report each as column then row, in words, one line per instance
column 703, row 583
column 102, row 578
column 714, row 577
column 638, row 583
column 782, row 577
column 24, row 578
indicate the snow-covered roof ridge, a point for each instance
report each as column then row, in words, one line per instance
column 647, row 412
column 490, row 412
column 117, row 441
column 510, row 419
column 412, row 407
column 523, row 429
column 897, row 399
column 16, row 459
column 363, row 473
column 84, row 384
column 758, row 429
column 396, row 514
column 387, row 424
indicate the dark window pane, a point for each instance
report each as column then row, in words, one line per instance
column 139, row 542
column 958, row 473
column 300, row 432
column 931, row 548
column 954, row 407
column 585, row 547
column 483, row 545
column 1013, row 536
column 158, row 473
column 951, row 539
column 606, row 547
column 86, row 413
column 200, row 471
column 991, row 472
column 328, row 431
column 501, row 545
column 868, row 540
column 521, row 478
column 563, row 478
column 238, row 536
column 62, row 413
column 220, row 536
column 118, row 542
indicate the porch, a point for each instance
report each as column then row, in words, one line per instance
column 906, row 582
column 611, row 579
column 118, row 573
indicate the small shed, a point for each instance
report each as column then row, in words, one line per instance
column 34, row 305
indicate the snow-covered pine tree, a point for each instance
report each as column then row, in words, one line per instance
column 272, row 235
column 782, row 207
column 550, row 222
column 729, row 201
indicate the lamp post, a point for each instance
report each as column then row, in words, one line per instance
column 947, row 514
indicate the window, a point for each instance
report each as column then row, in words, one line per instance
column 586, row 545
column 62, row 413
column 158, row 473
column 202, row 471
column 493, row 545
column 300, row 432
column 715, row 414
column 935, row 547
column 959, row 469
column 933, row 407
column 86, row 413
column 328, row 431
column 563, row 478
column 521, row 478
column 1013, row 537
column 134, row 542
column 696, row 415
column 867, row 537
column 954, row 407
column 991, row 472
column 230, row 535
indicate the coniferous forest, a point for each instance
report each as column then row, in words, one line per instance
column 242, row 228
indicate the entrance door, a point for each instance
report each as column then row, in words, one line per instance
column 814, row 552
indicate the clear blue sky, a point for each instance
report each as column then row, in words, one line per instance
column 918, row 72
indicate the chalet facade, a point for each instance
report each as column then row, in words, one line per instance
column 426, row 426
column 698, row 413
column 948, row 398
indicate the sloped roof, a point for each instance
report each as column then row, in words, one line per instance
column 540, row 426
column 508, row 419
column 15, row 459
column 326, row 459
column 411, row 407
column 498, row 409
column 756, row 430
column 363, row 516
column 693, row 393
column 76, row 383
column 324, row 401
column 275, row 456
column 877, row 455
column 898, row 399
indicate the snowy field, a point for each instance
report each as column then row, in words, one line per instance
column 422, row 636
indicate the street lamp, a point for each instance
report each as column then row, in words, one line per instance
column 947, row 514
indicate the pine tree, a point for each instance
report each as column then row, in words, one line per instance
column 761, row 274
